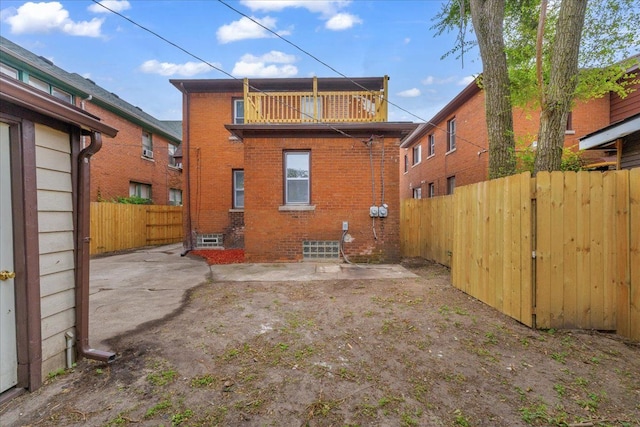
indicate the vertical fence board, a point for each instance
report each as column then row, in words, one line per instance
column 543, row 250
column 583, row 247
column 621, row 302
column 603, row 301
column 634, row 254
column 569, row 250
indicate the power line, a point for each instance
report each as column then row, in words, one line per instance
column 315, row 58
column 221, row 70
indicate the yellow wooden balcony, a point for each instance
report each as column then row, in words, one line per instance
column 317, row 106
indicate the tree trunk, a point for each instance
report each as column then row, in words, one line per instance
column 563, row 79
column 487, row 17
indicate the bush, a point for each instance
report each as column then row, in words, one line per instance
column 133, row 200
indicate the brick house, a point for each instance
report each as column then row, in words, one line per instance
column 138, row 161
column 290, row 169
column 451, row 149
column 622, row 137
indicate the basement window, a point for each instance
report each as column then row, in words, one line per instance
column 320, row 249
column 209, row 241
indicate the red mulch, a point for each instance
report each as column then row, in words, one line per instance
column 221, row 256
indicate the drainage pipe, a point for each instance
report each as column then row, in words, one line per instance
column 69, row 348
column 83, row 254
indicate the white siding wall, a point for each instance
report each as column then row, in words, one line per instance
column 55, row 226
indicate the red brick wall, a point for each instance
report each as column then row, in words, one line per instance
column 465, row 163
column 120, row 161
column 340, row 191
column 212, row 156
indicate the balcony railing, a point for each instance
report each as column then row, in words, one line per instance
column 315, row 106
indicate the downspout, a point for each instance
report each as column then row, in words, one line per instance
column 186, row 164
column 83, row 255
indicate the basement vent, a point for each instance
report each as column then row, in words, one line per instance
column 209, row 241
column 320, row 249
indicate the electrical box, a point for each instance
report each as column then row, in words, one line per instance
column 373, row 211
column 382, row 211
column 345, row 225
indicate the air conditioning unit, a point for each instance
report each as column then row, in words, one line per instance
column 147, row 153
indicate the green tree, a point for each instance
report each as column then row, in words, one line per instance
column 556, row 53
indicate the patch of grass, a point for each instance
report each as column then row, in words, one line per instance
column 490, row 338
column 460, row 419
column 163, row 377
column 591, row 403
column 525, row 342
column 560, row 389
column 202, row 381
column 181, row 417
column 231, row 354
column 535, row 414
column 158, row 408
column 581, row 382
column 57, row 373
column 322, row 407
column 560, row 357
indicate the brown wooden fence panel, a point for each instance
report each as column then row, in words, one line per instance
column 427, row 228
column 492, row 245
column 116, row 226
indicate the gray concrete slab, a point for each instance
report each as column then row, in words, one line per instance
column 128, row 290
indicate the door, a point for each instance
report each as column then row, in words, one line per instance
column 8, row 350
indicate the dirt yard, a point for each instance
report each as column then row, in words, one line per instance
column 410, row 352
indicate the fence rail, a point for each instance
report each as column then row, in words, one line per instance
column 561, row 250
column 116, row 227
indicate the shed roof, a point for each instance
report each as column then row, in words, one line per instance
column 608, row 135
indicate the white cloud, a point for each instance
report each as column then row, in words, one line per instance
column 410, row 93
column 187, row 69
column 466, row 80
column 245, row 28
column 49, row 17
column 342, row 21
column 266, row 65
column 324, row 7
column 431, row 80
column 115, row 5
column 407, row 40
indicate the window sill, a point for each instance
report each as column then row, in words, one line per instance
column 175, row 168
column 148, row 159
column 430, row 156
column 450, row 151
column 236, row 210
column 415, row 164
column 569, row 132
column 296, row 208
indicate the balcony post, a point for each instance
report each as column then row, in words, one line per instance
column 315, row 98
column 245, row 90
column 385, row 96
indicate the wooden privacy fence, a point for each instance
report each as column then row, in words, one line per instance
column 116, row 226
column 561, row 250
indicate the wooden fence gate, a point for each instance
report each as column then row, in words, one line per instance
column 561, row 250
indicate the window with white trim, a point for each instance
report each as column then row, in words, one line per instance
column 147, row 145
column 451, row 135
column 406, row 163
column 172, row 151
column 432, row 190
column 9, row 71
column 238, row 189
column 297, row 177
column 417, row 154
column 417, row 193
column 137, row 189
column 175, row 197
column 238, row 111
column 431, row 149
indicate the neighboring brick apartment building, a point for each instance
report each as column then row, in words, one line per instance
column 282, row 166
column 451, row 150
column 622, row 137
column 139, row 161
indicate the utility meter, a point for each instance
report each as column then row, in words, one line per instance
column 382, row 211
column 373, row 211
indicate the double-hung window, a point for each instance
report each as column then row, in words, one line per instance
column 172, row 151
column 147, row 145
column 406, row 163
column 175, row 197
column 417, row 193
column 451, row 135
column 417, row 154
column 140, row 190
column 297, row 174
column 432, row 190
column 238, row 189
column 238, row 111
column 431, row 150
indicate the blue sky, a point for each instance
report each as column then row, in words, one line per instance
column 358, row 38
